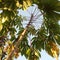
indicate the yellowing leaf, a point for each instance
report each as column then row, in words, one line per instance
column 37, row 54
column 0, row 51
column 12, row 47
column 28, row 52
column 16, row 55
column 5, row 8
column 4, row 19
column 56, row 37
column 26, row 4
column 18, row 4
column 9, row 47
column 55, row 50
column 1, row 26
column 9, row 42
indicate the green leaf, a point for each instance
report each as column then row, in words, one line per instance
column 57, row 38
column 32, row 30
column 28, row 52
column 48, row 49
column 57, row 7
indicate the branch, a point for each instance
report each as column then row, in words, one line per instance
column 19, row 39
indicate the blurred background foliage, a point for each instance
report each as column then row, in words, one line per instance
column 47, row 37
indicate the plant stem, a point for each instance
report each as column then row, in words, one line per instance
column 19, row 39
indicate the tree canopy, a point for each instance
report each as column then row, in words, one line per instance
column 14, row 37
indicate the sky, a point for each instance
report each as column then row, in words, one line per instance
column 44, row 56
column 37, row 23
